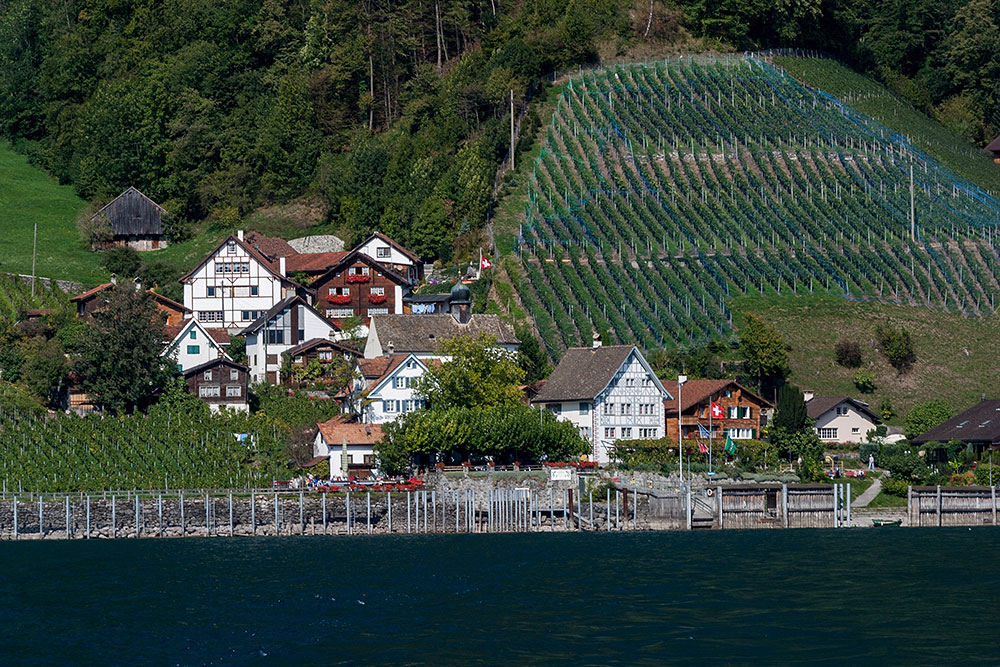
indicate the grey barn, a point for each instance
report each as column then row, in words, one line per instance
column 135, row 220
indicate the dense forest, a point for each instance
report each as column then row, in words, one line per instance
column 393, row 114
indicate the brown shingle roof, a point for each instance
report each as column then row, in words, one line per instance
column 220, row 336
column 337, row 430
column 694, row 392
column 980, row 423
column 583, row 372
column 424, row 333
column 314, row 262
column 819, row 405
column 91, row 292
column 269, row 246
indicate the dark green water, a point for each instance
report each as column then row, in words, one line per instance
column 907, row 596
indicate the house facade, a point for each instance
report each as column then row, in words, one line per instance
column 281, row 328
column 134, row 220
column 609, row 393
column 349, row 446
column 193, row 345
column 235, row 285
column 841, row 418
column 322, row 351
column 978, row 427
column 740, row 412
column 220, row 383
column 392, row 255
column 359, row 286
column 94, row 299
column 384, row 388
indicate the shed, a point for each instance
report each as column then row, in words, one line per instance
column 136, row 221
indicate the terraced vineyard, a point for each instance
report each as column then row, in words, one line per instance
column 663, row 189
column 16, row 297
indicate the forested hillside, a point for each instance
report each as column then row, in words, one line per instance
column 393, row 113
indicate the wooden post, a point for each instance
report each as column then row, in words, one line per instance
column 938, row 501
column 302, row 516
column 993, row 497
column 277, row 519
column 114, row 519
column 784, row 503
column 230, row 514
column 208, row 518
column 88, row 517
column 69, row 527
column 625, row 505
column 408, row 514
column 608, row 513
column 347, row 511
column 368, row 501
column 687, row 520
column 571, row 509
column 388, row 501
column 15, row 517
column 635, row 509
column 909, row 506
column 41, row 526
column 718, row 496
column 253, row 513
column 183, row 528
column 848, row 506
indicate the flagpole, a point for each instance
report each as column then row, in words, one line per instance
column 710, row 434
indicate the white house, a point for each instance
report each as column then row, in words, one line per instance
column 609, row 393
column 274, row 332
column 384, row 387
column 421, row 335
column 349, row 446
column 840, row 418
column 235, row 284
column 386, row 251
column 193, row 345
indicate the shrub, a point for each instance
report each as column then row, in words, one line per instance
column 925, row 416
column 983, row 474
column 848, row 353
column 896, row 346
column 864, row 380
column 868, row 448
column 895, row 487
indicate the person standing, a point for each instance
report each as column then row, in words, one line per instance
column 871, row 461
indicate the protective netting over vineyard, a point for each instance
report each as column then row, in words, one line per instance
column 162, row 450
column 663, row 189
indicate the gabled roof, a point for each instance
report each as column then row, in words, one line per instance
column 269, row 246
column 980, row 423
column 178, row 332
column 313, row 262
column 994, row 146
column 693, row 392
column 170, row 303
column 133, row 213
column 317, row 342
column 355, row 255
column 83, row 296
column 272, row 267
column 378, row 235
column 339, row 430
column 424, row 333
column 277, row 308
column 820, row 405
column 584, row 372
column 394, row 363
column 221, row 361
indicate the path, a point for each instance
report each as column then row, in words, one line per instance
column 869, row 494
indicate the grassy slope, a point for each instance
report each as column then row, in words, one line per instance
column 955, row 354
column 27, row 196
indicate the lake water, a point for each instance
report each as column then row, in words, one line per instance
column 785, row 596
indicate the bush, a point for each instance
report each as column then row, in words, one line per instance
column 848, row 354
column 869, row 448
column 864, row 380
column 895, row 487
column 983, row 474
column 896, row 346
column 925, row 416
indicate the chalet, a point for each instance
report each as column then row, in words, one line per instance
column 979, row 426
column 993, row 148
column 737, row 413
column 390, row 254
column 349, row 446
column 384, row 388
column 135, row 221
column 840, row 418
column 235, row 284
column 421, row 335
column 95, row 299
column 220, row 383
column 359, row 286
column 286, row 325
column 321, row 350
column 609, row 393
column 193, row 345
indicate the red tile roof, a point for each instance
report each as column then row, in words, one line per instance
column 313, row 262
column 91, row 292
column 270, row 246
column 694, row 392
column 337, row 430
column 220, row 336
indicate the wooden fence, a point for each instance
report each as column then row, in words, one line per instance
column 951, row 506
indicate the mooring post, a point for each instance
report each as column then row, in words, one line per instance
column 230, row 514
column 277, row 520
column 993, row 497
column 425, row 511
column 434, row 510
column 408, row 512
column 347, row 511
column 939, row 505
column 456, row 511
column 368, row 503
column 69, row 528
column 138, row 532
column 114, row 518
column 617, row 510
column 565, row 512
column 183, row 523
column 41, row 528
column 635, row 509
column 323, row 503
column 591, row 495
column 388, row 501
column 784, row 505
column 253, row 513
column 848, row 505
column 15, row 518
column 688, row 511
column 302, row 518
column 159, row 510
column 88, row 516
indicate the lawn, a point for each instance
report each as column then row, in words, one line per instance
column 885, row 500
column 27, row 196
column 955, row 355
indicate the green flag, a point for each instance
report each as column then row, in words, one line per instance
column 730, row 445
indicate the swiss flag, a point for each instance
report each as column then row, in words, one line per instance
column 716, row 410
column 485, row 263
column 701, row 447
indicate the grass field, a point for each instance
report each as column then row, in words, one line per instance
column 27, row 196
column 956, row 355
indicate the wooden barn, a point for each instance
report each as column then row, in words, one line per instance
column 135, row 220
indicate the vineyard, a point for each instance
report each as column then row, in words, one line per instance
column 16, row 297
column 662, row 190
column 163, row 450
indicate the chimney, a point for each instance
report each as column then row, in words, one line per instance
column 114, row 279
column 390, row 347
column 807, row 395
column 281, row 265
column 239, row 234
column 597, row 340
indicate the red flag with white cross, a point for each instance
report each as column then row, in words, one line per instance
column 716, row 410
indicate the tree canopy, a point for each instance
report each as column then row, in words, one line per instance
column 765, row 354
column 924, row 416
column 478, row 374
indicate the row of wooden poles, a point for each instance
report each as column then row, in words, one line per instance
column 505, row 510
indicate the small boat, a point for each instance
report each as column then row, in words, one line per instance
column 880, row 523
